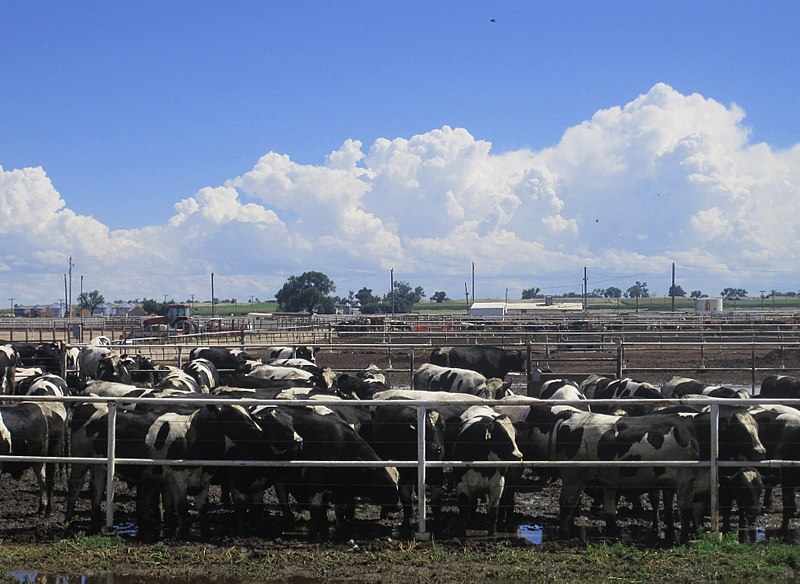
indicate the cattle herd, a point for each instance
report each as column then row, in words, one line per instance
column 473, row 416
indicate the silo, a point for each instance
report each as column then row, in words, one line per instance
column 708, row 305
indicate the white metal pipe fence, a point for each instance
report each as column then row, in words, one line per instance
column 422, row 464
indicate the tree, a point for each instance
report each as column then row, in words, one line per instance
column 310, row 292
column 638, row 290
column 439, row 297
column 404, row 296
column 531, row 293
column 676, row 291
column 366, row 297
column 697, row 294
column 733, row 293
column 612, row 292
column 90, row 300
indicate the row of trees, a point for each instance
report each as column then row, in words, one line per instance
column 640, row 290
column 312, row 292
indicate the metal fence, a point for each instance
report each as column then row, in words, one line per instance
column 421, row 463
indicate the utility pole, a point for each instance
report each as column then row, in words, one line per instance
column 12, row 305
column 473, row 281
column 466, row 293
column 391, row 287
column 213, row 300
column 69, row 293
column 673, row 287
column 585, row 288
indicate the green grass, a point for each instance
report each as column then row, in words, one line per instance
column 709, row 558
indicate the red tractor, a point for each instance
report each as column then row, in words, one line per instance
column 178, row 319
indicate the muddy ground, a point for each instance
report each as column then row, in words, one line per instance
column 534, row 523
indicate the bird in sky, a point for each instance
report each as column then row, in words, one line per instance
column 492, row 20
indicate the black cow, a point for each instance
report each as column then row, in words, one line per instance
column 489, row 361
column 780, row 386
column 394, row 437
column 355, row 386
column 776, row 424
column 207, row 433
column 326, row 437
column 484, row 435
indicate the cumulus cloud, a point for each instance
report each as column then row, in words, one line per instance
column 664, row 178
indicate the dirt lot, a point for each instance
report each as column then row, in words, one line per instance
column 535, row 522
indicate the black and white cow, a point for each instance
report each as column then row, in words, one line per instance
column 213, row 432
column 354, row 386
column 484, row 435
column 323, row 380
column 489, row 361
column 326, row 437
column 626, row 389
column 182, row 381
column 436, row 378
column 101, row 362
column 9, row 359
column 680, row 386
column 776, row 424
column 394, row 437
column 204, row 373
column 563, row 433
column 35, row 429
column 229, row 362
column 290, row 352
column 141, row 369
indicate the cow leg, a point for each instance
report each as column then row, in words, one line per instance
column 318, row 510
column 789, row 508
column 41, row 482
column 493, row 503
column 505, row 514
column 654, row 496
column 465, row 506
column 685, row 494
column 568, row 502
column 282, row 493
column 77, row 476
column 669, row 512
column 201, row 503
column 610, row 511
column 406, row 500
column 99, row 482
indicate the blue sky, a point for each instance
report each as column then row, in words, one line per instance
column 131, row 109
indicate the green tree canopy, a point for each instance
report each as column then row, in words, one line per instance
column 676, row 291
column 531, row 293
column 439, row 297
column 90, row 300
column 310, row 292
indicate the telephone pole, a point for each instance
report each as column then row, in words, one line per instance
column 69, row 292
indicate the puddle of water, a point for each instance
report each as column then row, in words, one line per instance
column 532, row 533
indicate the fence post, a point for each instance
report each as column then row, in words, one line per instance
column 110, row 468
column 753, row 368
column 422, row 529
column 714, row 470
column 411, row 371
column 620, row 358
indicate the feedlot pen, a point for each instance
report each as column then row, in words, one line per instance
column 730, row 351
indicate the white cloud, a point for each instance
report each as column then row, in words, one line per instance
column 667, row 177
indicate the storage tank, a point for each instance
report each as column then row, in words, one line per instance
column 708, row 305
